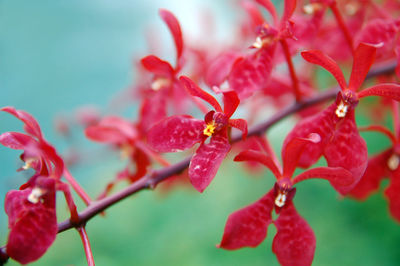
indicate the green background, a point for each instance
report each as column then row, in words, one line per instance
column 56, row 56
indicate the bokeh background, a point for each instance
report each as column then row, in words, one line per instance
column 56, row 56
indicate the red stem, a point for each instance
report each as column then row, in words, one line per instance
column 396, row 120
column 293, row 76
column 86, row 245
column 75, row 185
column 342, row 26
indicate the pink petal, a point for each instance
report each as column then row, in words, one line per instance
column 380, row 31
column 260, row 157
column 206, row 161
column 254, row 13
column 219, row 68
column 196, row 91
column 247, row 227
column 290, row 6
column 375, row 172
column 175, row 29
column 153, row 110
column 252, row 73
column 31, row 125
column 392, row 193
column 112, row 129
column 33, row 226
column 389, row 90
column 345, row 148
column 231, row 102
column 17, row 141
column 175, row 133
column 270, row 7
column 319, row 58
column 293, row 150
column 364, row 56
column 157, row 66
column 294, row 243
column 240, row 124
column 341, row 179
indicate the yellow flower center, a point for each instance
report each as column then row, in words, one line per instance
column 209, row 130
column 280, row 200
column 393, row 162
column 341, row 109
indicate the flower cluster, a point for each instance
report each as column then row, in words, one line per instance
column 270, row 65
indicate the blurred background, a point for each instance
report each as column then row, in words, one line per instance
column 57, row 56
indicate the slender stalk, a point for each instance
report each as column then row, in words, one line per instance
column 292, row 72
column 343, row 26
column 86, row 245
column 75, row 185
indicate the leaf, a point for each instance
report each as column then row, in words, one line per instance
column 247, row 227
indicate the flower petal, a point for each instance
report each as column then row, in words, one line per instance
column 17, row 141
column 289, row 7
column 219, row 68
column 157, row 66
column 345, row 148
column 247, row 227
column 153, row 110
column 393, row 195
column 364, row 56
column 240, row 124
column 33, row 225
column 293, row 150
column 196, row 91
column 294, row 243
column 206, row 161
column 175, row 29
column 231, row 102
column 256, row 156
column 252, row 73
column 321, row 123
column 175, row 133
column 375, row 172
column 319, row 58
column 389, row 90
column 341, row 179
column 31, row 125
column 270, row 7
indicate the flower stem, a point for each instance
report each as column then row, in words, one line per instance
column 75, row 185
column 86, row 244
column 343, row 26
column 292, row 72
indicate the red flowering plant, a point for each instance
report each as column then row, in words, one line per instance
column 180, row 132
column 294, row 243
column 341, row 143
column 384, row 164
column 32, row 209
column 253, row 74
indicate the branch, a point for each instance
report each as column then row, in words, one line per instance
column 157, row 176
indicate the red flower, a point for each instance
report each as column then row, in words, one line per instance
column 294, row 243
column 341, row 143
column 31, row 210
column 181, row 132
column 384, row 164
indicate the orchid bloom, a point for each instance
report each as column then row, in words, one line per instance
column 384, row 164
column 341, row 144
column 294, row 243
column 180, row 132
column 32, row 210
